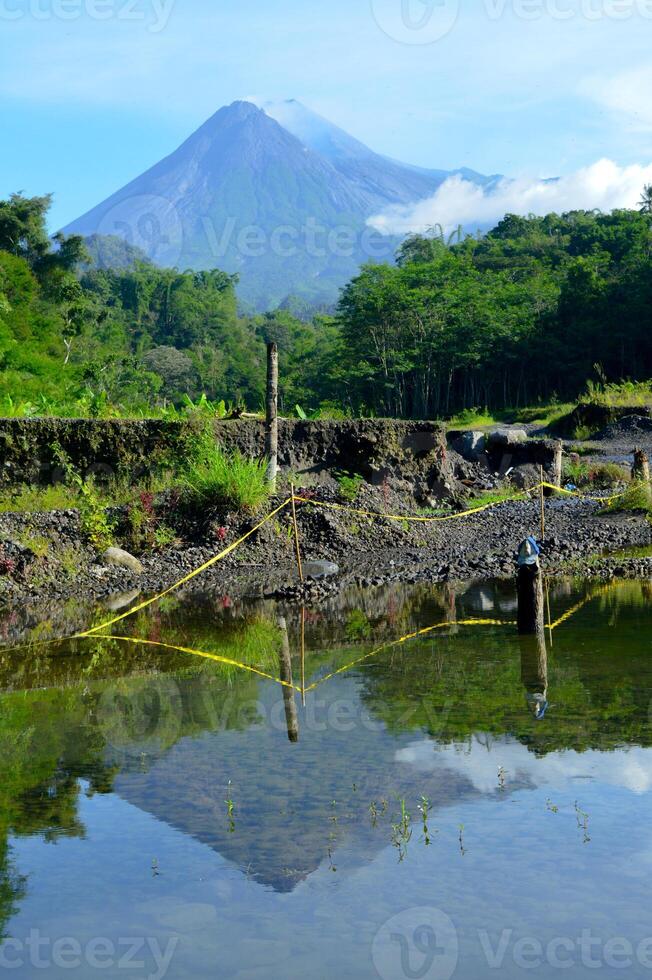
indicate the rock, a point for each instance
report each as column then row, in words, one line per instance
column 320, row 569
column 507, row 437
column 526, row 476
column 120, row 600
column 471, row 445
column 122, row 559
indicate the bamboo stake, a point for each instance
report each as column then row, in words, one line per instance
column 543, row 508
column 296, row 533
column 271, row 420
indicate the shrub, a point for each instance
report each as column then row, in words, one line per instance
column 349, row 485
column 637, row 497
column 599, row 475
column 213, row 476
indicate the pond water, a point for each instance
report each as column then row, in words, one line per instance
column 462, row 804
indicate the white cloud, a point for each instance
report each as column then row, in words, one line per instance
column 628, row 95
column 603, row 185
column 629, row 769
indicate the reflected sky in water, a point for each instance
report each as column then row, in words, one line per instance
column 151, row 796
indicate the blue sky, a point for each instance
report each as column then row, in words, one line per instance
column 92, row 92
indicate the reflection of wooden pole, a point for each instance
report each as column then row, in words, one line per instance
column 296, row 533
column 557, row 466
column 303, row 656
column 271, row 424
column 285, row 665
column 530, row 599
column 641, row 468
column 534, row 671
column 548, row 612
column 543, row 507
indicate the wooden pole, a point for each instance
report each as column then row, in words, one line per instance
column 296, row 533
column 271, row 424
column 530, row 600
column 285, row 664
column 641, row 468
column 558, row 463
column 543, row 507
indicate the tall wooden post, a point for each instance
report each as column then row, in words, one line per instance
column 558, row 463
column 285, row 665
column 641, row 468
column 531, row 619
column 271, row 422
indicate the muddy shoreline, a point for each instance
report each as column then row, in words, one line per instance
column 581, row 540
column 410, row 469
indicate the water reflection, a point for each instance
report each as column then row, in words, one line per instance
column 534, row 673
column 434, row 719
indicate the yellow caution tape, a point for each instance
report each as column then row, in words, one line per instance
column 97, row 630
column 196, row 653
column 583, row 496
column 407, row 517
column 404, row 639
column 187, row 578
column 580, row 605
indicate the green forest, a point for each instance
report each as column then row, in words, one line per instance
column 526, row 314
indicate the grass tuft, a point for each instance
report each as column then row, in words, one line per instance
column 637, row 497
column 213, row 476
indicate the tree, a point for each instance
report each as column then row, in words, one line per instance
column 645, row 203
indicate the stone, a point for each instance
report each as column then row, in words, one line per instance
column 526, row 476
column 507, row 437
column 320, row 569
column 471, row 445
column 122, row 559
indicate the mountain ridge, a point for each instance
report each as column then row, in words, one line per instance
column 284, row 206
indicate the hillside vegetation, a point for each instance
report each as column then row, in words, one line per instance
column 526, row 315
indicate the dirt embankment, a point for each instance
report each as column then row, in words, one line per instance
column 407, row 468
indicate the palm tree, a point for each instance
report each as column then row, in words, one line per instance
column 645, row 203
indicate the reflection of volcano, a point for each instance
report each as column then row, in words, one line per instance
column 293, row 802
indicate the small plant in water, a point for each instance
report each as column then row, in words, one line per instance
column 461, row 839
column 502, row 773
column 551, row 806
column 230, row 809
column 402, row 832
column 373, row 813
column 424, row 807
column 582, row 822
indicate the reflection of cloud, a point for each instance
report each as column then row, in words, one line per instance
column 602, row 185
column 628, row 768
